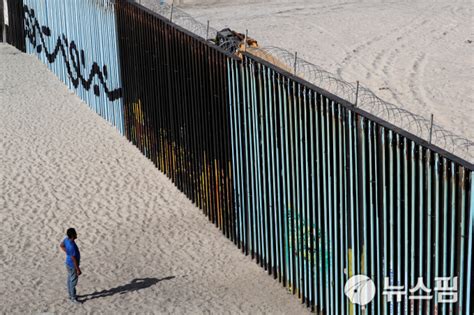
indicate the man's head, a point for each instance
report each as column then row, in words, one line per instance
column 71, row 233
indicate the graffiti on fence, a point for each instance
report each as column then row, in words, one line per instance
column 73, row 63
column 138, row 134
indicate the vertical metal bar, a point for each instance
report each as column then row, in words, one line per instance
column 256, row 182
column 270, row 179
column 232, row 111
column 463, row 177
column 241, row 168
column 413, row 211
column 356, row 164
column 286, row 192
column 406, row 221
column 453, row 226
column 306, row 238
column 353, row 203
column 371, row 253
column 274, row 155
column 341, row 207
column 291, row 187
column 261, row 162
column 299, row 211
column 385, row 219
column 436, row 222
column 333, row 260
column 391, row 204
column 428, row 223
column 469, row 263
column 444, row 229
column 380, row 301
column 312, row 206
column 363, row 197
column 421, row 198
column 324, row 223
column 398, row 219
column 319, row 301
column 346, row 205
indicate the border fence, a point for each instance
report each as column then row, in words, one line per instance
column 176, row 107
column 64, row 35
column 14, row 25
column 315, row 189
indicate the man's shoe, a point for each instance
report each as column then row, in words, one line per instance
column 75, row 301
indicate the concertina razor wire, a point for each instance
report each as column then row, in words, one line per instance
column 366, row 98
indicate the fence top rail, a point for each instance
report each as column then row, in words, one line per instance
column 180, row 28
column 346, row 104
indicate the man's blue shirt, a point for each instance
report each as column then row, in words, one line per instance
column 71, row 250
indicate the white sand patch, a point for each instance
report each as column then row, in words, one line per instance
column 62, row 165
column 417, row 54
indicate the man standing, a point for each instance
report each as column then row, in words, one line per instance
column 73, row 259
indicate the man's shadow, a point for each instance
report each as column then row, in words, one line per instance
column 134, row 285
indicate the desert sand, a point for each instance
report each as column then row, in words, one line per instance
column 416, row 54
column 145, row 247
column 62, row 165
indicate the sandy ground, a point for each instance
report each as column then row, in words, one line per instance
column 418, row 54
column 145, row 247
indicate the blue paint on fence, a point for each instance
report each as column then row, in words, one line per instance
column 77, row 39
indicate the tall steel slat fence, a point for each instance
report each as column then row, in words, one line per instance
column 324, row 191
column 77, row 39
column 313, row 188
column 176, row 107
